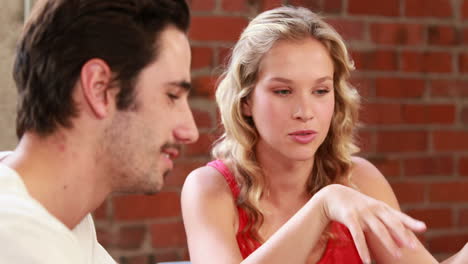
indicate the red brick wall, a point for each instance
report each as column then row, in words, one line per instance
column 412, row 69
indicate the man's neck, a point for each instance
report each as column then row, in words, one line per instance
column 59, row 176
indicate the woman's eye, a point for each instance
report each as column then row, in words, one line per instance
column 282, row 92
column 322, row 91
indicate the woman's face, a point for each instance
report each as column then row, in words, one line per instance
column 293, row 100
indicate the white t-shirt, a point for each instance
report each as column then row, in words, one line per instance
column 29, row 234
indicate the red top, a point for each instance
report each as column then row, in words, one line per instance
column 340, row 248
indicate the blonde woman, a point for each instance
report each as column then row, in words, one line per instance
column 284, row 186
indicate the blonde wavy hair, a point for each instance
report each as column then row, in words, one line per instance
column 236, row 146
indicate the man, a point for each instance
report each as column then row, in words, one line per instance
column 103, row 88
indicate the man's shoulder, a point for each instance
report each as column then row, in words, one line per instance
column 3, row 154
column 30, row 236
column 19, row 210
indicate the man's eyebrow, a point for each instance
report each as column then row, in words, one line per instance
column 187, row 86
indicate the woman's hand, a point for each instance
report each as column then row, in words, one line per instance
column 361, row 213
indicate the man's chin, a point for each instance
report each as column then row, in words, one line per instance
column 145, row 188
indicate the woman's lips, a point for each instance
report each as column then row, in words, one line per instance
column 303, row 136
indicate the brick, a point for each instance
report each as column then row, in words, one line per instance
column 448, row 192
column 402, row 141
column 204, row 86
column 202, row 57
column 131, row 237
column 167, row 235
column 464, row 9
column 365, row 141
column 201, row 5
column 216, row 28
column 429, row 113
column 463, row 217
column 409, row 192
column 348, row 29
column 463, row 62
column 428, row 8
column 464, row 115
column 101, row 212
column 429, row 166
column 270, row 4
column 464, row 36
column 328, row 6
column 447, row 242
column 105, row 237
column 371, row 7
column 202, row 147
column 411, row 61
column 180, row 172
column 380, row 60
column 463, row 166
column 375, row 113
column 186, row 255
column 365, row 86
column 235, row 6
column 449, row 88
column 443, row 35
column 139, row 207
column 333, row 6
column 397, row 34
column 203, row 119
column 434, row 218
column 389, row 167
column 224, row 55
column 450, row 140
column 437, row 62
column 388, row 87
column 310, row 4
column 422, row 238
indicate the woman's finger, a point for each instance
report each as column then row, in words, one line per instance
column 381, row 231
column 359, row 240
column 411, row 223
column 398, row 230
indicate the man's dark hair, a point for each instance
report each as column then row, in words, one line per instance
column 62, row 35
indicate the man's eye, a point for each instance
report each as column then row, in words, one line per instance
column 173, row 97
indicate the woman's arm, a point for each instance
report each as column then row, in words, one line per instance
column 210, row 218
column 460, row 258
column 371, row 182
column 210, row 221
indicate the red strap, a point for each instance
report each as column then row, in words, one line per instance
column 246, row 244
column 224, row 170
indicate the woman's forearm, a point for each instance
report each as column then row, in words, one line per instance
column 299, row 235
column 460, row 257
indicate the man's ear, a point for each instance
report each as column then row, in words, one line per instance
column 95, row 80
column 246, row 107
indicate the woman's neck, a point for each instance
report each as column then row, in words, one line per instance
column 286, row 179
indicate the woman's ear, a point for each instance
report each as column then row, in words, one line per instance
column 246, row 107
column 95, row 80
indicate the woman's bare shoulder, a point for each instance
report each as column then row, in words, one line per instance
column 370, row 181
column 207, row 184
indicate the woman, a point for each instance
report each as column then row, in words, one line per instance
column 284, row 187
